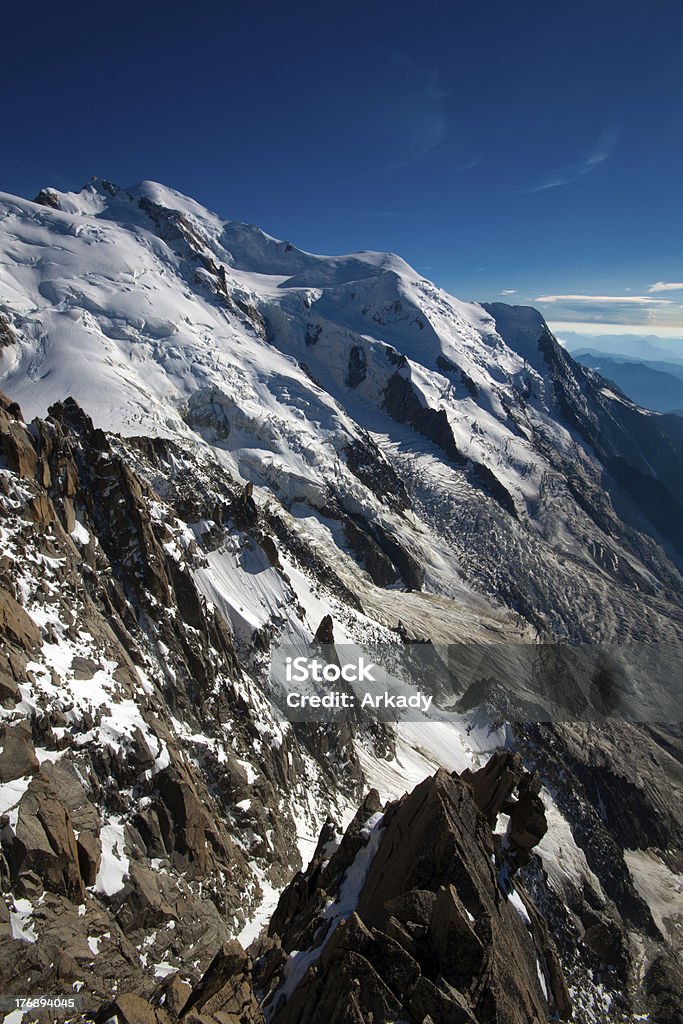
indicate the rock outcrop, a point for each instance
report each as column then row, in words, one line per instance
column 406, row 920
column 503, row 786
column 225, row 994
column 336, row 448
column 138, row 795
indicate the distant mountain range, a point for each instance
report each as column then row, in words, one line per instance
column 654, row 384
column 643, row 348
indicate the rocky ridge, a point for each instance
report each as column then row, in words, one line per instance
column 302, row 447
column 417, row 912
column 144, row 817
column 139, row 797
column 411, row 914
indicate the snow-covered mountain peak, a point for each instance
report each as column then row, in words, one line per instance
column 294, row 446
column 162, row 279
column 348, row 384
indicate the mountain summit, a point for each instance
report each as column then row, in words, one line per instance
column 213, row 443
column 448, row 447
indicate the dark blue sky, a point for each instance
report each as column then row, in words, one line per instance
column 534, row 147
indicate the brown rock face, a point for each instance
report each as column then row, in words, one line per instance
column 175, row 994
column 103, row 591
column 528, row 825
column 16, row 627
column 16, row 447
column 407, row 921
column 44, row 842
column 493, row 784
column 129, row 1008
column 17, row 755
column 503, row 785
column 225, row 994
column 89, row 856
column 195, row 835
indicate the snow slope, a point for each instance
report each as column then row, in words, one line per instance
column 413, row 456
column 162, row 319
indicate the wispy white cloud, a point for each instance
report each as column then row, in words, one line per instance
column 644, row 310
column 602, row 151
column 380, row 215
column 409, row 107
column 422, row 135
column 636, row 300
column 509, row 291
column 666, row 286
column 433, row 90
column 592, row 328
column 468, row 165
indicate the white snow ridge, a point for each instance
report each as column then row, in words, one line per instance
column 214, row 443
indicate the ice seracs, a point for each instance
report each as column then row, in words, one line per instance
column 285, row 446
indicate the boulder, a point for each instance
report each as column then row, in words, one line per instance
column 174, row 993
column 16, row 627
column 129, row 1008
column 84, row 668
column 528, row 825
column 17, row 754
column 225, row 992
column 89, row 849
column 44, row 842
column 146, row 903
